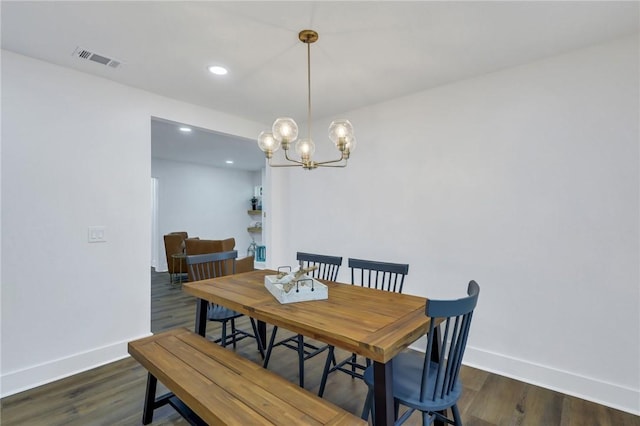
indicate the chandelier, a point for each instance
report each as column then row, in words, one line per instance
column 284, row 132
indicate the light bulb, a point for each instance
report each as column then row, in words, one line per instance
column 339, row 131
column 305, row 148
column 267, row 142
column 285, row 130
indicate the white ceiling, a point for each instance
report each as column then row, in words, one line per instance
column 367, row 51
column 203, row 146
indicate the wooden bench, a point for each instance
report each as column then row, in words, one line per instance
column 213, row 385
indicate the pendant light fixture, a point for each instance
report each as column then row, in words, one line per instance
column 284, row 132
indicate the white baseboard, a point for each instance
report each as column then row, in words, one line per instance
column 588, row 388
column 37, row 375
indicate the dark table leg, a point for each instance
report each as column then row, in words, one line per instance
column 201, row 317
column 383, row 394
column 262, row 332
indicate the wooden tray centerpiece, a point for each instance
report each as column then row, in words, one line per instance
column 296, row 286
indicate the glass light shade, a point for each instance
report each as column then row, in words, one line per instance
column 285, row 129
column 340, row 128
column 305, row 148
column 267, row 142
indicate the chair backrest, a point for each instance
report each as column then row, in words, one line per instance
column 211, row 265
column 174, row 244
column 328, row 266
column 381, row 275
column 197, row 246
column 456, row 320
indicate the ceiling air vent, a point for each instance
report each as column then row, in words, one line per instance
column 91, row 56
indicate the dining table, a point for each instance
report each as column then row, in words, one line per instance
column 373, row 323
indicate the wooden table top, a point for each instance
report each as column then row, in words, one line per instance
column 374, row 323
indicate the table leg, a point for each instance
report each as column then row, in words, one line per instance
column 262, row 333
column 201, row 317
column 383, row 394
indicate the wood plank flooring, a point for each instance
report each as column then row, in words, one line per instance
column 113, row 394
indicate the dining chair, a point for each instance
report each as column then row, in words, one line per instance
column 327, row 269
column 213, row 265
column 422, row 383
column 365, row 273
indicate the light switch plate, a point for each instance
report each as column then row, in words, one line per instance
column 97, row 234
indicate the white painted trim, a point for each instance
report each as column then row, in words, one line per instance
column 37, row 375
column 588, row 388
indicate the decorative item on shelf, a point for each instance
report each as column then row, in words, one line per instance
column 251, row 251
column 254, row 203
column 261, row 253
column 255, row 226
column 284, row 131
column 295, row 286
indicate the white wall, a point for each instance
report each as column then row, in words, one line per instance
column 207, row 202
column 526, row 180
column 76, row 153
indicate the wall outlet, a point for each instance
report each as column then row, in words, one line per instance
column 97, row 234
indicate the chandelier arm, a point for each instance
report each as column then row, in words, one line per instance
column 322, row 163
column 293, row 160
column 332, row 165
column 283, row 165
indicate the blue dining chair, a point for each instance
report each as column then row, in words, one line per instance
column 372, row 274
column 328, row 267
column 213, row 265
column 423, row 384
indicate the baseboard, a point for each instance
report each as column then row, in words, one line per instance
column 37, row 375
column 588, row 388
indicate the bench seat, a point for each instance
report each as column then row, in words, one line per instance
column 223, row 388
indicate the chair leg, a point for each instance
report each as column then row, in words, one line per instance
column 367, row 405
column 149, row 399
column 325, row 372
column 354, row 359
column 301, row 359
column 224, row 334
column 456, row 415
column 233, row 332
column 270, row 347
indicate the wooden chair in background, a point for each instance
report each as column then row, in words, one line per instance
column 212, row 265
column 365, row 273
column 328, row 267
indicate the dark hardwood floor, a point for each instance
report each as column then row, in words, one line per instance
column 113, row 394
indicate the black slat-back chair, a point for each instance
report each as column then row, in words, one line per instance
column 430, row 382
column 366, row 273
column 328, row 267
column 213, row 265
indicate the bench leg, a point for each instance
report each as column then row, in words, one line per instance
column 149, row 399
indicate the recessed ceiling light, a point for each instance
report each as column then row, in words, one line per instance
column 217, row 70
column 229, row 161
column 185, row 129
